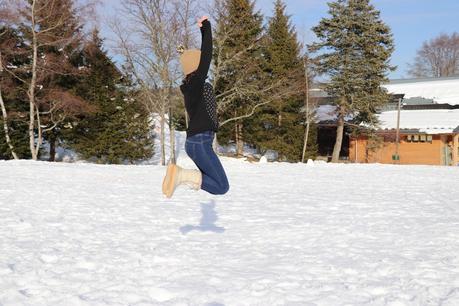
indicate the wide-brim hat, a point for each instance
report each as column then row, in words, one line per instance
column 190, row 60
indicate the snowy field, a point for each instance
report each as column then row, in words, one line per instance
column 285, row 234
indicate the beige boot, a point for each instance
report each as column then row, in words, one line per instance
column 176, row 176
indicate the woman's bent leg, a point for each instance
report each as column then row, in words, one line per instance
column 214, row 178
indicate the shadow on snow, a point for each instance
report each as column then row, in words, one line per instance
column 207, row 223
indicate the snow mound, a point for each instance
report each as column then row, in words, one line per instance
column 263, row 160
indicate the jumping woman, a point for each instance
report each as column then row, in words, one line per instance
column 201, row 107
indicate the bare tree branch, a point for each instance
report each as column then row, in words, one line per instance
column 438, row 57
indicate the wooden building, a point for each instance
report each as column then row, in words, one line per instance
column 428, row 128
column 427, row 137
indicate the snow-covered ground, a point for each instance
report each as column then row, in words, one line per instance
column 285, row 234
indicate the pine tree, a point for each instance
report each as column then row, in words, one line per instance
column 357, row 47
column 60, row 86
column 238, row 65
column 117, row 129
column 280, row 125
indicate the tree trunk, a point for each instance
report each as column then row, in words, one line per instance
column 339, row 138
column 5, row 117
column 162, row 138
column 173, row 159
column 236, row 136
column 239, row 140
column 31, row 91
column 306, row 98
column 5, row 127
column 52, row 147
column 305, row 144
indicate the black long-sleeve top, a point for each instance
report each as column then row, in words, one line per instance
column 199, row 95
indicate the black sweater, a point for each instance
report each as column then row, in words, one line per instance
column 199, row 95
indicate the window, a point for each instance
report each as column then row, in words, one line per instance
column 419, row 138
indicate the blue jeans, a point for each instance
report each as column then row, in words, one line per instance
column 199, row 149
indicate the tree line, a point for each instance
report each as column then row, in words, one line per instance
column 59, row 87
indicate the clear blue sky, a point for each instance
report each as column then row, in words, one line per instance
column 412, row 21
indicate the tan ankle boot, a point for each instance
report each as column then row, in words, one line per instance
column 176, row 176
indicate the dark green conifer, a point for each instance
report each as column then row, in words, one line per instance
column 116, row 130
column 279, row 125
column 356, row 46
column 238, row 65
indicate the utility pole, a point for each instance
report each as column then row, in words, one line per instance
column 396, row 156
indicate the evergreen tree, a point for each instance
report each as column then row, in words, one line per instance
column 117, row 128
column 52, row 32
column 59, row 86
column 238, row 65
column 280, row 125
column 14, row 94
column 357, row 47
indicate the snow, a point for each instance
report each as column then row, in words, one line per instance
column 444, row 90
column 285, row 234
column 327, row 112
column 436, row 121
column 263, row 160
column 439, row 121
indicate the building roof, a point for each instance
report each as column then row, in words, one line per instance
column 430, row 121
column 430, row 106
column 435, row 121
column 422, row 91
column 440, row 90
column 327, row 112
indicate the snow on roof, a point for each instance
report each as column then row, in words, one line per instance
column 327, row 112
column 438, row 121
column 443, row 90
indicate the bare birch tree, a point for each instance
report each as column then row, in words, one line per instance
column 307, row 109
column 187, row 10
column 148, row 40
column 7, row 17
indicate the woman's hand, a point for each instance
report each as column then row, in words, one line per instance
column 201, row 20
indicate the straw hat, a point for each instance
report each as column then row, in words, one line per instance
column 190, row 60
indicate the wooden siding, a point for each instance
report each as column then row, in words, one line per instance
column 443, row 150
